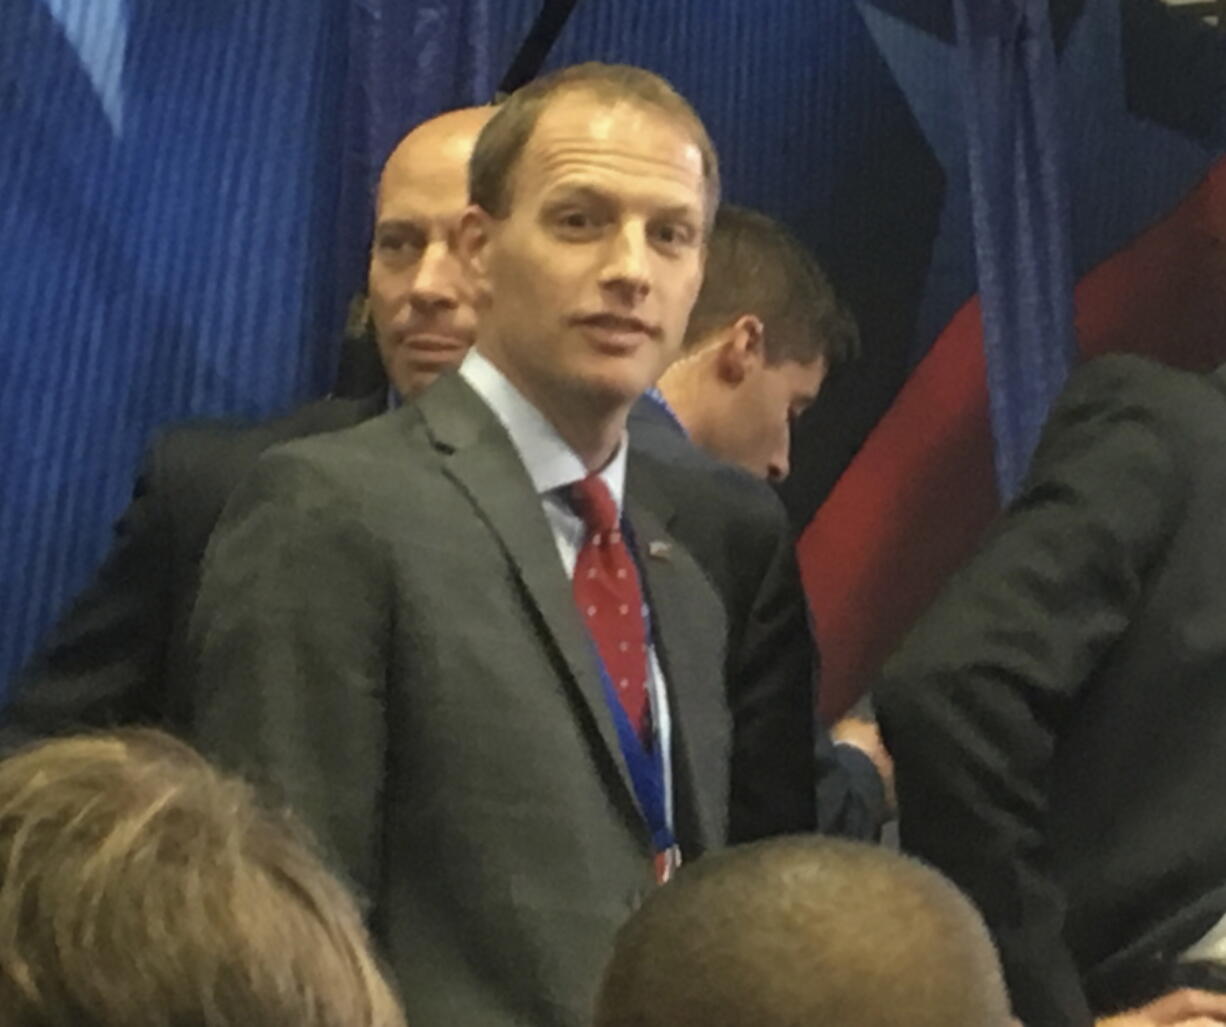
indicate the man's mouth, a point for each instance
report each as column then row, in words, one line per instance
column 617, row 329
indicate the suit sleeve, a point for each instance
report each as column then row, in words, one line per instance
column 104, row 662
column 973, row 703
column 787, row 775
column 290, row 632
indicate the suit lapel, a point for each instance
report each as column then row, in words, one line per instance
column 479, row 456
column 690, row 628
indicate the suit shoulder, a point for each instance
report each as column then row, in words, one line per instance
column 1120, row 379
column 197, row 445
column 695, row 479
column 350, row 450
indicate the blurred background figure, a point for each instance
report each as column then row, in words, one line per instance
column 804, row 931
column 138, row 886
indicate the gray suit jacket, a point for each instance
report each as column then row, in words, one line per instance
column 386, row 632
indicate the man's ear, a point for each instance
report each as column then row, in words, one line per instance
column 742, row 350
column 472, row 245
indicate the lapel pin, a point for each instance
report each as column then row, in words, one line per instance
column 659, row 550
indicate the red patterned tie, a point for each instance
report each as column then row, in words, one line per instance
column 607, row 592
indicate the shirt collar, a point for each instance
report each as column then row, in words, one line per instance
column 549, row 460
column 655, row 396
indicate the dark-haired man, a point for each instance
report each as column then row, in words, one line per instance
column 765, row 332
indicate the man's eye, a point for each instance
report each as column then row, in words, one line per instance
column 575, row 219
column 672, row 234
column 398, row 244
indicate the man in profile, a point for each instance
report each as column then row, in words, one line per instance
column 764, row 334
column 118, row 656
column 804, row 931
column 139, row 888
column 766, row 331
column 469, row 641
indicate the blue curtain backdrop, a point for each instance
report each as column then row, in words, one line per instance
column 185, row 200
column 1022, row 234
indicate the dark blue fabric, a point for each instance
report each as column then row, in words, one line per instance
column 1020, row 212
column 407, row 62
column 168, row 210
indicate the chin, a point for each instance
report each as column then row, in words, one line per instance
column 410, row 383
column 613, row 390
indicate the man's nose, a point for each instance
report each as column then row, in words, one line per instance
column 777, row 467
column 628, row 261
column 438, row 280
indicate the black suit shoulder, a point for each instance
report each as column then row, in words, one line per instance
column 196, row 465
column 116, row 655
column 738, row 532
column 1008, row 704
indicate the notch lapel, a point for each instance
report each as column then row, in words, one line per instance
column 690, row 628
column 480, row 458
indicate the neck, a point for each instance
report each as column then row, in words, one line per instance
column 681, row 395
column 592, row 428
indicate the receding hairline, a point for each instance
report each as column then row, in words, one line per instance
column 602, row 83
column 611, row 103
column 454, row 132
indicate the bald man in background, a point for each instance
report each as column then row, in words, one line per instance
column 117, row 656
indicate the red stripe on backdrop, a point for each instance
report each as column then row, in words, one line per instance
column 903, row 515
column 916, row 500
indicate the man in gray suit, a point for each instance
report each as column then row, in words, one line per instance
column 388, row 627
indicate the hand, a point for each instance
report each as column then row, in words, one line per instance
column 866, row 737
column 1187, row 1007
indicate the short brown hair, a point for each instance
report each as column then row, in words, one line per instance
column 139, row 886
column 804, row 930
column 503, row 139
column 756, row 266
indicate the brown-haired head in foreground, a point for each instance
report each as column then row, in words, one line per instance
column 756, row 266
column 803, row 931
column 141, row 887
column 502, row 141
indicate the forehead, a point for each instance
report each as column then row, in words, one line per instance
column 632, row 150
column 425, row 182
column 798, row 377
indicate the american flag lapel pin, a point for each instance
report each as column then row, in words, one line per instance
column 658, row 549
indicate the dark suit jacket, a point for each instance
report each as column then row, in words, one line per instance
column 387, row 633
column 851, row 797
column 117, row 657
column 1058, row 716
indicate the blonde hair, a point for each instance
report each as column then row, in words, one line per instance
column 139, row 886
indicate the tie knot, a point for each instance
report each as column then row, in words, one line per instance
column 593, row 502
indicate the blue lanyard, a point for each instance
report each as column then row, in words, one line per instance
column 645, row 763
column 646, row 767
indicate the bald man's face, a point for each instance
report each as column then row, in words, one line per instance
column 420, row 300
